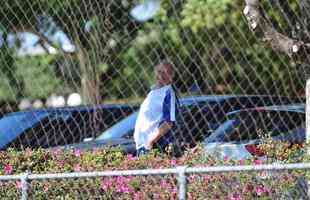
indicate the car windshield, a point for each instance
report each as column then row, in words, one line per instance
column 124, row 128
column 13, row 125
column 34, row 127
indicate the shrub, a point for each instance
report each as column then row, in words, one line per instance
column 231, row 185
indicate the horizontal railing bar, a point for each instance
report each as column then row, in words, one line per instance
column 143, row 172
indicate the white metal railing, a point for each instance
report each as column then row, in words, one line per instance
column 179, row 171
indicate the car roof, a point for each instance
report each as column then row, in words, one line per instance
column 291, row 107
column 300, row 108
column 75, row 108
column 219, row 98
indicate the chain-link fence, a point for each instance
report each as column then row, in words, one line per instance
column 74, row 72
column 72, row 52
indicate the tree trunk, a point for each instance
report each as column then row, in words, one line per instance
column 89, row 79
column 297, row 49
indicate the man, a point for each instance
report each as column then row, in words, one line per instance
column 157, row 112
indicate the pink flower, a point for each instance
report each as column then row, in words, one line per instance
column 56, row 152
column 19, row 185
column 163, row 184
column 45, row 188
column 8, row 169
column 173, row 190
column 190, row 196
column 137, row 196
column 77, row 152
column 248, row 188
column 241, row 162
column 122, row 185
column 257, row 162
column 207, row 178
column 261, row 190
column 234, row 196
column 226, row 158
column 106, row 183
column 156, row 196
column 130, row 157
column 120, row 180
column 173, row 162
column 192, row 178
column 60, row 163
column 124, row 189
column 77, row 168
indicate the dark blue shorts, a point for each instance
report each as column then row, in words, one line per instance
column 164, row 141
column 142, row 151
column 161, row 144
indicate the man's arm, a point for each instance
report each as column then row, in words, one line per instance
column 163, row 129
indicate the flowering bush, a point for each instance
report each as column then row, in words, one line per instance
column 231, row 185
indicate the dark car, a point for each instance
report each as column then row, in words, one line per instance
column 58, row 126
column 239, row 136
column 14, row 124
column 197, row 118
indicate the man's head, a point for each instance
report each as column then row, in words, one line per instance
column 164, row 73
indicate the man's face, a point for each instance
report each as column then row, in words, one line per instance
column 163, row 75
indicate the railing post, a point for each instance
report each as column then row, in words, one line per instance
column 307, row 125
column 24, row 182
column 308, row 113
column 182, row 182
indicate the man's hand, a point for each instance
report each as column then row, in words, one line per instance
column 149, row 145
column 163, row 129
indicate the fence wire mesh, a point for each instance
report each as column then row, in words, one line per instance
column 74, row 72
column 80, row 52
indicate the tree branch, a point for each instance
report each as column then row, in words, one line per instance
column 278, row 41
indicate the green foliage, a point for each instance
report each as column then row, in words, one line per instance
column 37, row 75
column 210, row 43
column 208, row 40
column 206, row 14
column 7, row 90
column 8, row 81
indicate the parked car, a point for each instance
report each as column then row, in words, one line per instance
column 58, row 126
column 198, row 118
column 13, row 124
column 239, row 136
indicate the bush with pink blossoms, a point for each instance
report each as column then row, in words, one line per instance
column 230, row 185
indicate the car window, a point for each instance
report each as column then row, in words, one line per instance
column 223, row 131
column 13, row 125
column 201, row 119
column 40, row 133
column 124, row 128
column 256, row 125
